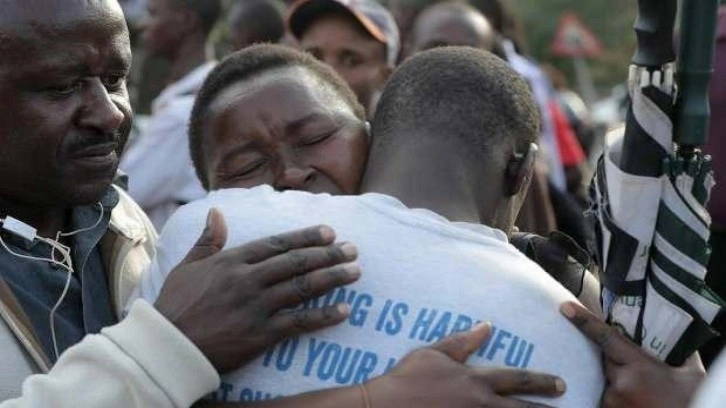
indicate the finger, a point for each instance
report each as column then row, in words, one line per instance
column 212, row 239
column 265, row 248
column 613, row 344
column 502, row 402
column 293, row 323
column 292, row 292
column 459, row 346
column 694, row 363
column 612, row 371
column 302, row 261
column 506, row 381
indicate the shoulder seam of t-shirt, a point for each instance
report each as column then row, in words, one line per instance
column 447, row 230
column 412, row 218
column 409, row 217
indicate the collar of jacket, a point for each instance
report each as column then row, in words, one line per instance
column 127, row 249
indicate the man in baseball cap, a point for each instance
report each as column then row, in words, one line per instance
column 359, row 38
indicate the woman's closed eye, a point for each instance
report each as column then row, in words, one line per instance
column 314, row 140
column 247, row 170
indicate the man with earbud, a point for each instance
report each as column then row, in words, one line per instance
column 451, row 156
column 72, row 246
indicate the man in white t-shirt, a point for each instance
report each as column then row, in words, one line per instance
column 161, row 175
column 459, row 142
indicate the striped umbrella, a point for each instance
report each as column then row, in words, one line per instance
column 650, row 189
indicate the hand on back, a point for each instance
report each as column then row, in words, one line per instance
column 635, row 378
column 233, row 304
column 437, row 376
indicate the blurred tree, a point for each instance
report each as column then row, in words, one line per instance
column 610, row 20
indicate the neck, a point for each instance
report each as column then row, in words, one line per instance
column 190, row 55
column 47, row 220
column 432, row 178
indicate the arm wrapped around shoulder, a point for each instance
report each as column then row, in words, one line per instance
column 564, row 260
column 144, row 361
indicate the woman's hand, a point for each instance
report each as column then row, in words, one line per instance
column 437, row 376
column 430, row 377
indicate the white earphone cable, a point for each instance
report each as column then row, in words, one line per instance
column 66, row 264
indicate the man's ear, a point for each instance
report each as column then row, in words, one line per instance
column 519, row 171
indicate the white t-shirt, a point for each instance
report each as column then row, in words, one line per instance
column 712, row 393
column 423, row 278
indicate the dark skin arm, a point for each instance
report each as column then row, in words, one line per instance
column 228, row 302
column 434, row 376
column 635, row 378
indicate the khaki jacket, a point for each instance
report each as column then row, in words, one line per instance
column 127, row 249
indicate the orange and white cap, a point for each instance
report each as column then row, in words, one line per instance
column 376, row 20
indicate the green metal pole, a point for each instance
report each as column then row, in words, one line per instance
column 654, row 29
column 695, row 65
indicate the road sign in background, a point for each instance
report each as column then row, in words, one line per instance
column 575, row 39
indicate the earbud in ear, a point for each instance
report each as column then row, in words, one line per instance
column 520, row 169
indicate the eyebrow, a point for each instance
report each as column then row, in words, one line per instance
column 290, row 128
column 122, row 59
column 49, row 71
column 60, row 68
column 240, row 150
column 71, row 66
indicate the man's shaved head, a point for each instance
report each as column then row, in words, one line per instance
column 22, row 20
column 452, row 23
column 256, row 21
column 66, row 113
column 455, row 133
column 40, row 16
column 464, row 96
column 34, row 27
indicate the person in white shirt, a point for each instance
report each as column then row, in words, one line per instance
column 466, row 153
column 161, row 175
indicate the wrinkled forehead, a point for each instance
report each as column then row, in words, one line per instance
column 300, row 85
column 40, row 16
column 34, row 24
column 45, row 36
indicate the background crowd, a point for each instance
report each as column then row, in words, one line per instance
column 353, row 100
column 364, row 41
column 175, row 61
